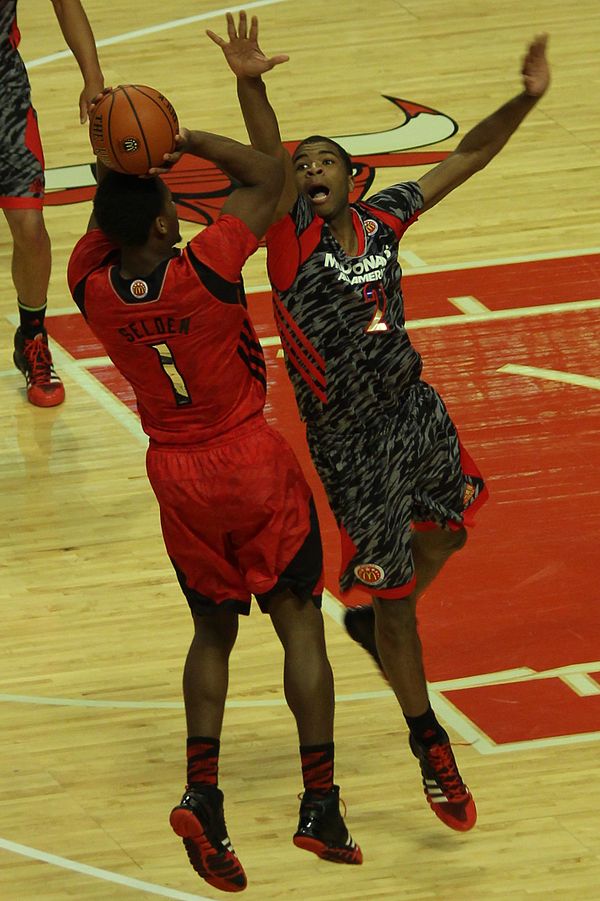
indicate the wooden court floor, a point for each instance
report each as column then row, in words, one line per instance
column 502, row 293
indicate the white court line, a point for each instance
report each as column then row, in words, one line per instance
column 411, row 258
column 468, row 304
column 507, row 261
column 552, row 375
column 576, row 675
column 106, row 875
column 582, row 684
column 154, row 29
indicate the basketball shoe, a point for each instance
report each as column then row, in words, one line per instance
column 360, row 626
column 321, row 828
column 446, row 793
column 200, row 821
column 32, row 356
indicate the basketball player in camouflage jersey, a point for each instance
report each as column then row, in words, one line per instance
column 399, row 482
column 22, row 188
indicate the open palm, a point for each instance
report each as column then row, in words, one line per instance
column 244, row 56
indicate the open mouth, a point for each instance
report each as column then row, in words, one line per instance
column 318, row 193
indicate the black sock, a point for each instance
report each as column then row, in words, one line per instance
column 426, row 729
column 203, row 760
column 31, row 319
column 317, row 767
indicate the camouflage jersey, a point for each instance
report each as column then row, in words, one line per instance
column 11, row 64
column 340, row 317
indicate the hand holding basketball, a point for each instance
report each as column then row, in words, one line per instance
column 132, row 127
column 169, row 159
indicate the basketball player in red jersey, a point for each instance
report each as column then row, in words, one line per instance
column 400, row 484
column 237, row 515
column 22, row 188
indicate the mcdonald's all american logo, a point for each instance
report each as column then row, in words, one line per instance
column 369, row 573
column 200, row 189
column 139, row 288
column 370, row 226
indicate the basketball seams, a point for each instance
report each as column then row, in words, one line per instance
column 128, row 133
column 172, row 124
column 108, row 132
column 140, row 126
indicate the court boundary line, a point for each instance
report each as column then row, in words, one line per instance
column 84, row 869
column 153, row 29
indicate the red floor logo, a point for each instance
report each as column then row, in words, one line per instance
column 199, row 189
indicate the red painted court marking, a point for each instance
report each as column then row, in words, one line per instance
column 523, row 592
column 527, row 711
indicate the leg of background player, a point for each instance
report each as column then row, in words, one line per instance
column 31, row 264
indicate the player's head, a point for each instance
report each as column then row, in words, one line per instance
column 324, row 173
column 132, row 211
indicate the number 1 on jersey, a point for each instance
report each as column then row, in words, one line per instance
column 180, row 391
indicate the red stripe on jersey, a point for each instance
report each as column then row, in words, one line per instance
column 292, row 357
column 33, row 142
column 292, row 340
column 21, row 203
column 296, row 334
column 15, row 35
column 397, row 225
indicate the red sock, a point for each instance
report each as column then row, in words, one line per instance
column 203, row 760
column 317, row 767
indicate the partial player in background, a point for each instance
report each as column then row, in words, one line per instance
column 399, row 482
column 22, row 188
column 237, row 515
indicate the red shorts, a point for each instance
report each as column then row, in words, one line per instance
column 237, row 520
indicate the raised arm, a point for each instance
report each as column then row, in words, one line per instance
column 485, row 140
column 78, row 35
column 260, row 176
column 248, row 63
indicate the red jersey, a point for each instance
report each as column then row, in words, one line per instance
column 181, row 336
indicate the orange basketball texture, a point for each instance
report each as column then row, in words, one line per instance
column 132, row 127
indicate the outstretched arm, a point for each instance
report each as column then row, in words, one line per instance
column 485, row 140
column 261, row 176
column 248, row 63
column 78, row 35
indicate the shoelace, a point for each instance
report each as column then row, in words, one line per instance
column 314, row 805
column 443, row 764
column 39, row 358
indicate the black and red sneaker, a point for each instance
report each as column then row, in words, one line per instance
column 446, row 793
column 200, row 821
column 32, row 356
column 321, row 828
column 360, row 626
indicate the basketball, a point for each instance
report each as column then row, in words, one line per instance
column 132, row 127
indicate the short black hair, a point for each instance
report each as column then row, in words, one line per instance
column 317, row 139
column 126, row 206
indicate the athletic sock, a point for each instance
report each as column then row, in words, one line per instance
column 426, row 729
column 31, row 319
column 203, row 761
column 317, row 767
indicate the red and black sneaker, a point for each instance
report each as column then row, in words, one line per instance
column 446, row 793
column 32, row 356
column 360, row 626
column 321, row 828
column 200, row 821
